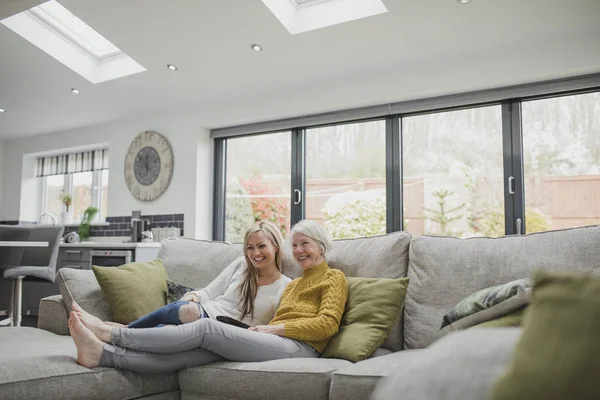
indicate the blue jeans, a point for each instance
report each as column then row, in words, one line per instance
column 166, row 315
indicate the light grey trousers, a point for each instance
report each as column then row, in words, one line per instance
column 166, row 349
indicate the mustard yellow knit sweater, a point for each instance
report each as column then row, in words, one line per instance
column 311, row 306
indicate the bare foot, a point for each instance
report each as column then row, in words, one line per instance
column 89, row 347
column 115, row 324
column 93, row 323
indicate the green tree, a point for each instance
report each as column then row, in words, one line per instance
column 443, row 216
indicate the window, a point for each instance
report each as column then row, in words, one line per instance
column 490, row 163
column 83, row 176
column 345, row 178
column 561, row 151
column 257, row 183
column 453, row 173
column 65, row 37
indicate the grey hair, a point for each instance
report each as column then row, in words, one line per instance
column 315, row 231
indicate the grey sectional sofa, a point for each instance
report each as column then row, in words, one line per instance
column 413, row 361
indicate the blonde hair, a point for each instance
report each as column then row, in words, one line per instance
column 249, row 285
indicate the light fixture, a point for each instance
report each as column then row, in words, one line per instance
column 256, row 47
column 2, row 110
column 75, row 91
column 464, row 1
column 172, row 67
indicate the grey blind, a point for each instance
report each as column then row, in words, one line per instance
column 85, row 161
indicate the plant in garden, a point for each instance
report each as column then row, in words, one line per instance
column 442, row 216
column 238, row 213
column 276, row 210
column 355, row 214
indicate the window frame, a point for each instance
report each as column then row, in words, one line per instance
column 508, row 98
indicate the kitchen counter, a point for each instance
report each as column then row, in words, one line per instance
column 111, row 245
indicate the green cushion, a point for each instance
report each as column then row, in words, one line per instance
column 558, row 354
column 133, row 290
column 373, row 308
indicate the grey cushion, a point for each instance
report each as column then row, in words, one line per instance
column 357, row 381
column 462, row 366
column 82, row 287
column 36, row 364
column 299, row 378
column 445, row 270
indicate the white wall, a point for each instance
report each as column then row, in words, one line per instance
column 190, row 191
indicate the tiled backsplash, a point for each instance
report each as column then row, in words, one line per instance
column 121, row 226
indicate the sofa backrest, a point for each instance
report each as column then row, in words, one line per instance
column 197, row 262
column 444, row 270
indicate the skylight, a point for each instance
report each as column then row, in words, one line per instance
column 299, row 16
column 62, row 35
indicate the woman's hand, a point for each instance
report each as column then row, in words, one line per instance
column 272, row 329
column 190, row 297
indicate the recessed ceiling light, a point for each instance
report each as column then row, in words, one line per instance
column 2, row 110
column 256, row 47
column 464, row 1
column 172, row 67
column 76, row 91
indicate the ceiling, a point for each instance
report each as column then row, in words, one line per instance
column 420, row 48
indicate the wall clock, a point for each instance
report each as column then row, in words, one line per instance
column 148, row 166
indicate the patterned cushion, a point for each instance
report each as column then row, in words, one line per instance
column 488, row 298
column 175, row 291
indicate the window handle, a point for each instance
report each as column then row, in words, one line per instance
column 519, row 226
column 298, row 194
column 511, row 185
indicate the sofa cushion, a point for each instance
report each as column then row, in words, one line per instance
column 82, row 287
column 444, row 270
column 488, row 304
column 357, row 381
column 176, row 291
column 298, row 378
column 461, row 366
column 36, row 364
column 373, row 308
column 133, row 290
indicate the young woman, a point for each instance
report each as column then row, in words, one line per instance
column 249, row 289
column 308, row 316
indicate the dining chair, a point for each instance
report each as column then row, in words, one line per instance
column 27, row 263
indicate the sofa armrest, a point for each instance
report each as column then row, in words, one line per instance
column 53, row 315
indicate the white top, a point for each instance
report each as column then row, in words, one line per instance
column 222, row 296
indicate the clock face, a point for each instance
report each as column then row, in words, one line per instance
column 148, row 166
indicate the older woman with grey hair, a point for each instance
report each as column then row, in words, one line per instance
column 308, row 316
